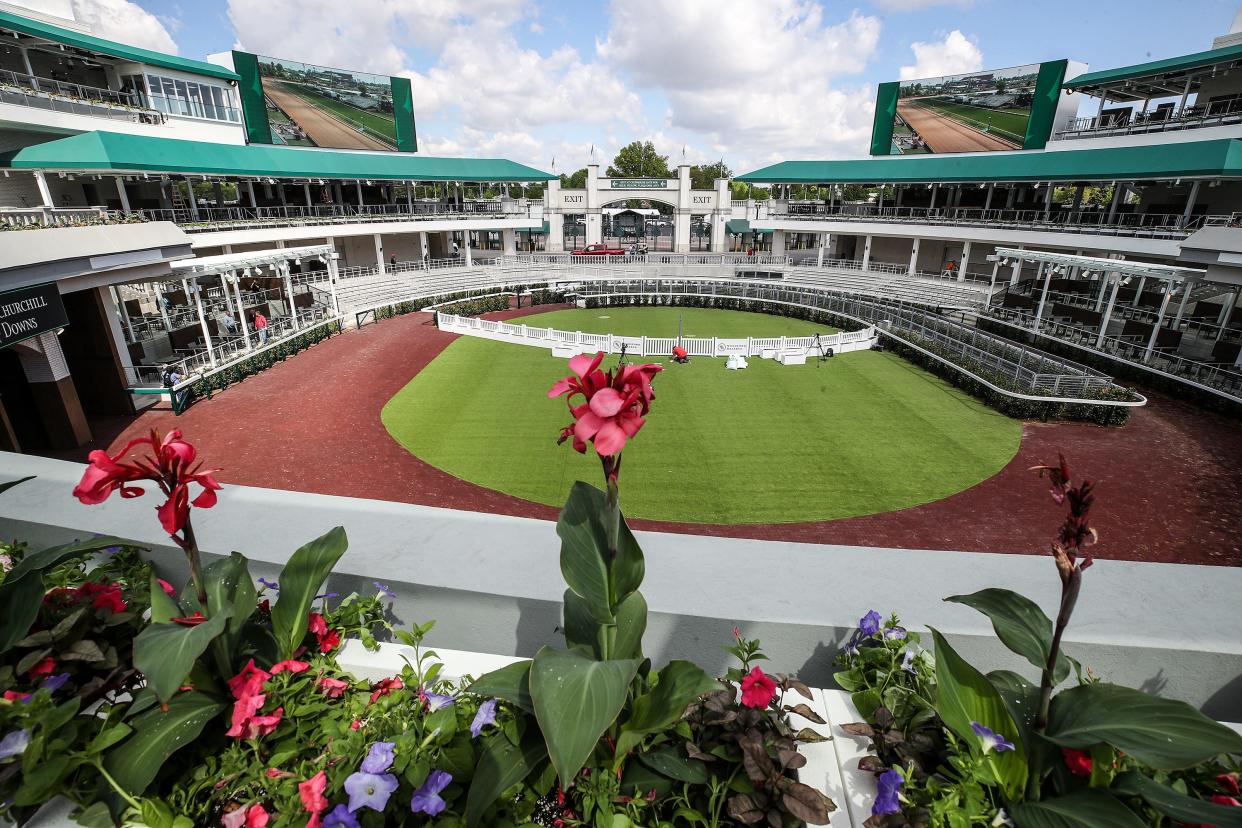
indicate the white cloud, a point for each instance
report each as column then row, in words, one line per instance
column 916, row 5
column 952, row 56
column 126, row 22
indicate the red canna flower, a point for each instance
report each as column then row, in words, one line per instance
column 615, row 403
column 1229, row 781
column 1076, row 534
column 757, row 689
column 170, row 464
column 385, row 686
column 103, row 596
column 1078, row 761
column 190, row 620
column 44, row 667
column 1227, row 801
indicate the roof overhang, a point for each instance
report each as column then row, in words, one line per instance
column 233, row 262
column 1122, row 267
column 1157, row 78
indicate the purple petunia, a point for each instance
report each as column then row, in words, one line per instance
column 888, row 793
column 328, row 596
column 385, row 591
column 379, row 758
column 907, row 661
column 53, row 683
column 266, row 584
column 991, row 739
column 341, row 817
column 370, row 790
column 427, row 799
column 436, row 700
column 485, row 717
column 14, row 743
column 895, row 634
column 869, row 624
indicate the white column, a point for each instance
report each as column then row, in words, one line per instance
column 189, row 188
column 1046, row 267
column 987, row 202
column 1108, row 312
column 293, row 310
column 241, row 307
column 866, row 259
column 1190, row 203
column 358, row 186
column 1118, row 189
column 1017, row 271
column 1187, row 285
column 120, row 190
column 508, row 238
column 159, row 303
column 379, row 254
column 469, row 253
column 120, row 308
column 961, row 266
column 914, row 258
column 1226, row 312
column 778, row 242
column 1138, row 294
column 931, row 205
column 306, row 192
column 254, row 202
column 992, row 287
column 333, row 275
column 45, row 194
column 1155, row 329
column 202, row 318
column 823, row 244
column 1048, row 200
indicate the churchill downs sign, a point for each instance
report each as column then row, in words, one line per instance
column 29, row 312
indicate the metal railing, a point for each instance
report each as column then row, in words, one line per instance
column 28, row 217
column 1146, row 225
column 1215, row 113
column 211, row 219
column 78, row 99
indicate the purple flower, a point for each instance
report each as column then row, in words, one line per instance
column 370, row 790
column 427, row 799
column 341, row 817
column 907, row 662
column 266, row 584
column 895, row 634
column 53, row 683
column 888, row 788
column 328, row 596
column 485, row 717
column 112, row 550
column 14, row 743
column 436, row 700
column 379, row 758
column 991, row 740
column 385, row 591
column 869, row 624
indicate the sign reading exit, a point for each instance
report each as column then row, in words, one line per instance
column 640, row 183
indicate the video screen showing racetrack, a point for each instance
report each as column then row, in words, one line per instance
column 977, row 112
column 317, row 106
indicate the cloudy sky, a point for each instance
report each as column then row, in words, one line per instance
column 749, row 81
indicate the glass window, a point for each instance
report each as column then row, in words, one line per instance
column 199, row 100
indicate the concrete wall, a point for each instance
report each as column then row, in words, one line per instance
column 493, row 584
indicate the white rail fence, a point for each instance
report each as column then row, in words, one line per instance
column 568, row 343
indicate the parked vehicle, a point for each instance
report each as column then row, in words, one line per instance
column 598, row 250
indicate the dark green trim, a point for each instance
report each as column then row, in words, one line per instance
column 90, row 43
column 1167, row 66
column 254, row 108
column 1044, row 105
column 885, row 112
column 403, row 112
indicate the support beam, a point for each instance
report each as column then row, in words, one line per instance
column 120, row 309
column 202, row 317
column 914, row 258
column 1045, row 268
column 1108, row 313
column 254, row 202
column 1138, row 294
column 1187, row 286
column 120, row 191
column 1227, row 312
column 961, row 266
column 1155, row 329
column 159, row 303
column 379, row 254
column 987, row 303
column 1190, row 203
column 306, row 192
column 293, row 308
column 358, row 187
column 45, row 193
column 866, row 259
column 189, row 188
column 333, row 274
column 241, row 307
column 987, row 202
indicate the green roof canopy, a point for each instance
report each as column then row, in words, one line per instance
column 115, row 152
column 1153, row 69
column 742, row 226
column 80, row 40
column 1221, row 158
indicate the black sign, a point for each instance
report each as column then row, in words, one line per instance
column 29, row 312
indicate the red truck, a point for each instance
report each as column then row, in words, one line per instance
column 598, row 250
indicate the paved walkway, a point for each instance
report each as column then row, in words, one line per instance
column 1170, row 482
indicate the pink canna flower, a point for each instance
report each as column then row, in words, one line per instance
column 614, row 406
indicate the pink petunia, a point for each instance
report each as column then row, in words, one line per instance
column 289, row 665
column 332, row 688
column 311, row 793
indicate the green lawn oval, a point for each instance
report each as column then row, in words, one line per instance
column 858, row 434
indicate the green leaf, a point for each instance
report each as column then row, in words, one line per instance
column 230, row 587
column 157, row 736
column 108, row 737
column 8, row 484
column 501, row 766
column 511, row 683
column 584, row 549
column 965, row 696
column 1162, row 733
column 165, row 653
column 19, row 607
column 671, row 762
column 1088, row 808
column 1177, row 805
column 1020, row 624
column 576, row 699
column 1022, row 699
column 299, row 582
column 680, row 682
column 47, row 558
column 631, row 624
column 96, row 816
column 163, row 608
column 581, row 628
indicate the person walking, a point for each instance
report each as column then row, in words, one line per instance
column 392, row 260
column 260, row 327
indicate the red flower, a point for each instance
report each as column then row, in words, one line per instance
column 316, row 624
column 190, row 620
column 385, row 686
column 1078, row 761
column 311, row 792
column 332, row 688
column 615, row 403
column 1227, row 801
column 169, row 463
column 289, row 666
column 103, row 596
column 263, row 725
column 329, row 642
column 1229, row 781
column 244, row 709
column 328, row 639
column 42, row 668
column 757, row 689
column 355, row 724
column 249, row 681
column 256, row 817
column 168, row 588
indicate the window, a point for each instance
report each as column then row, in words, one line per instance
column 197, row 100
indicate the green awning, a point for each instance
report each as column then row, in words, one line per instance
column 543, row 230
column 81, row 40
column 114, row 152
column 735, row 226
column 1221, row 158
column 1167, row 66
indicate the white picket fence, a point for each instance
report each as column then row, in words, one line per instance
column 564, row 343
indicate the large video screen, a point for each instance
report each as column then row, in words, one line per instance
column 305, row 105
column 986, row 111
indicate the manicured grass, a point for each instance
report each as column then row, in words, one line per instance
column 862, row 433
column 1010, row 123
column 382, row 125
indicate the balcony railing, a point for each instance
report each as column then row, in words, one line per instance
column 1214, row 113
column 76, row 99
column 1097, row 222
column 210, row 219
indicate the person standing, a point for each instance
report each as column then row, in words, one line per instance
column 260, row 327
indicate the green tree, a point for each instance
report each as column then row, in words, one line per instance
column 639, row 159
column 704, row 178
column 533, row 190
column 575, row 181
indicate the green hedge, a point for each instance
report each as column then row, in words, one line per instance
column 261, row 361
column 1019, row 408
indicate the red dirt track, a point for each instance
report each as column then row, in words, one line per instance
column 1169, row 483
column 944, row 134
